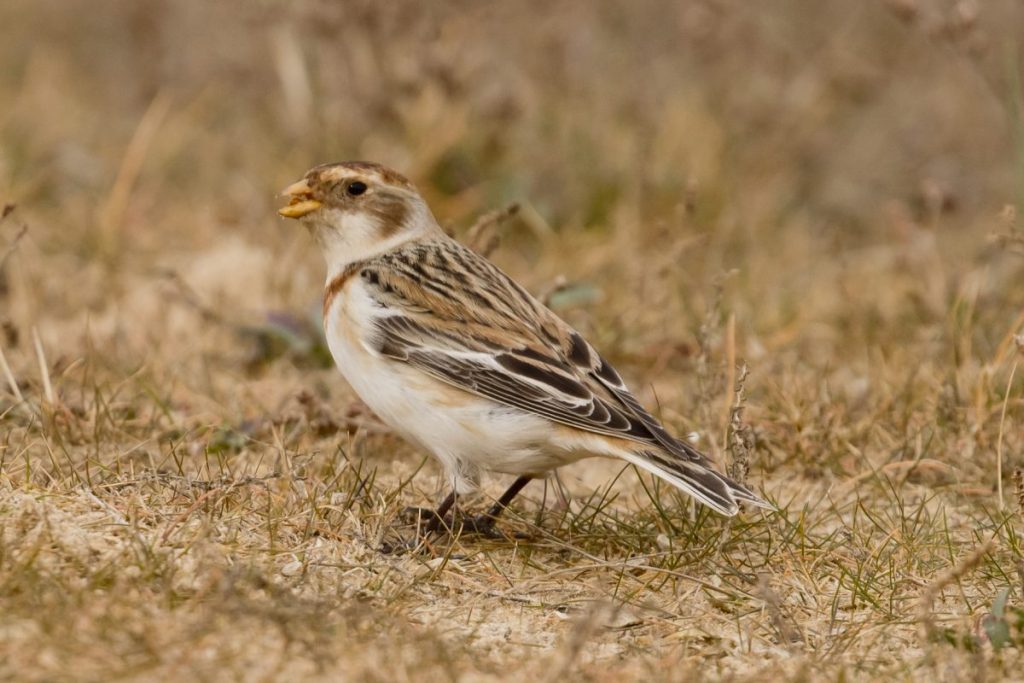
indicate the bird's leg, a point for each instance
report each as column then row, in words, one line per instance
column 437, row 521
column 427, row 522
column 432, row 520
column 484, row 524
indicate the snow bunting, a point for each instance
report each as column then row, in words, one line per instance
column 463, row 362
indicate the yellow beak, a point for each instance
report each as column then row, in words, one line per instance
column 301, row 202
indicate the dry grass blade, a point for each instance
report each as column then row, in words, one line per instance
column 12, row 384
column 954, row 574
column 740, row 441
column 13, row 244
column 483, row 236
column 44, row 369
column 111, row 216
column 789, row 633
column 188, row 511
column 999, row 438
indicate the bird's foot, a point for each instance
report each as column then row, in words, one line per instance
column 426, row 519
column 486, row 526
column 478, row 525
column 429, row 526
column 428, row 522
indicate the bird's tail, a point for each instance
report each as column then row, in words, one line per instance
column 696, row 477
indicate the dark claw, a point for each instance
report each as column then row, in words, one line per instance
column 425, row 518
column 429, row 522
column 480, row 525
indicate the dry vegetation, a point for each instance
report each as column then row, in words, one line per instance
column 823, row 191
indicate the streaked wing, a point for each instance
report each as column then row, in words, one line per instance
column 455, row 316
column 512, row 376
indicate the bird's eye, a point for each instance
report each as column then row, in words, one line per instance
column 356, row 188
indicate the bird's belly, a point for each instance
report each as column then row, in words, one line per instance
column 465, row 432
column 385, row 391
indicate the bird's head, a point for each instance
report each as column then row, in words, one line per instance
column 356, row 209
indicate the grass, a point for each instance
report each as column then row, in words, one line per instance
column 824, row 194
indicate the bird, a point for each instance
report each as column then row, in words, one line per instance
column 461, row 361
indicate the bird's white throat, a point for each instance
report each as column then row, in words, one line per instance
column 349, row 236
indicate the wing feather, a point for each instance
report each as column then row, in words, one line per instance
column 502, row 345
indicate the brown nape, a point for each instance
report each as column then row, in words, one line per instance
column 383, row 172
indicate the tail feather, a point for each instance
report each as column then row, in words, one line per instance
column 742, row 493
column 697, row 479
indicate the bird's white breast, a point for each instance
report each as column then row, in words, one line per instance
column 465, row 432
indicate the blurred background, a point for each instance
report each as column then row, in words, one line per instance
column 835, row 176
column 825, row 190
